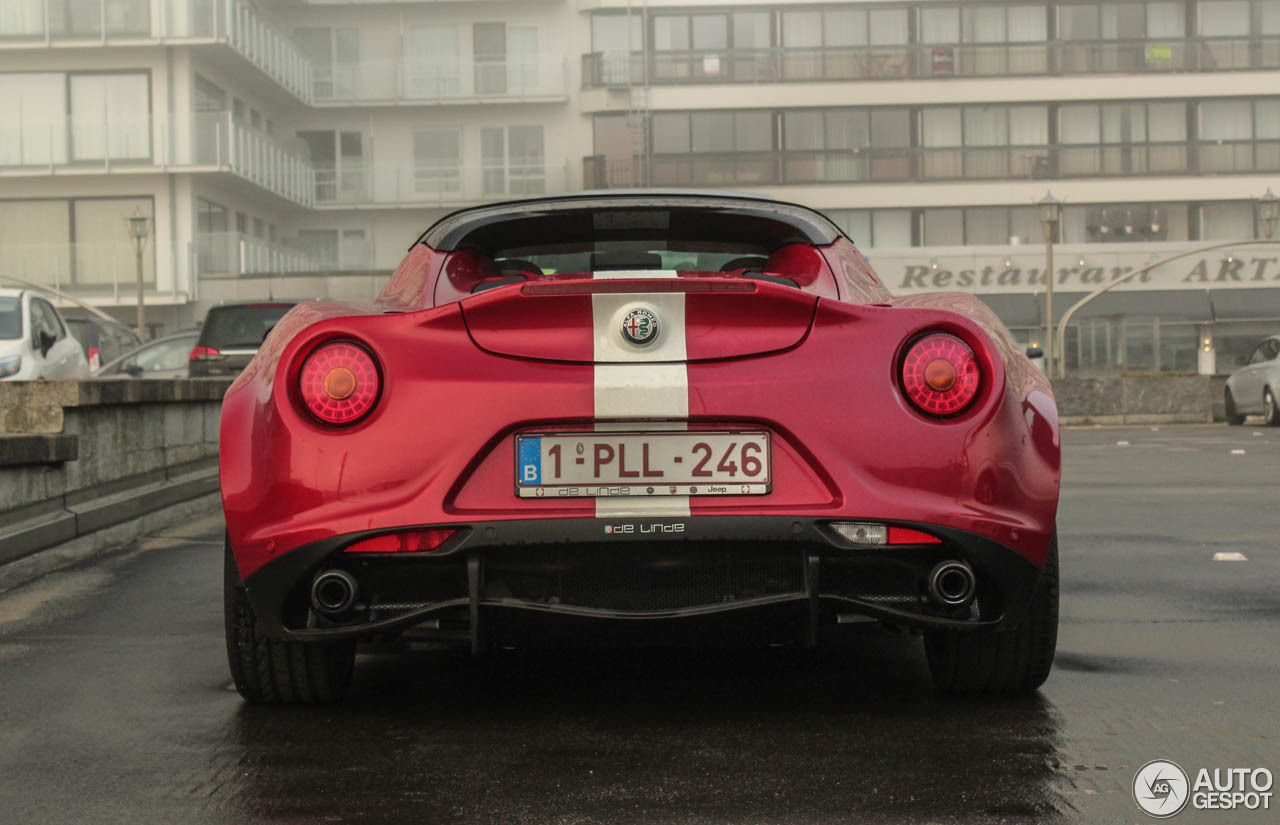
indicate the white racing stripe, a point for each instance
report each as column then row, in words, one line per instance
column 640, row 387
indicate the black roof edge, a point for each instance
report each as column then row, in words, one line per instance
column 817, row 227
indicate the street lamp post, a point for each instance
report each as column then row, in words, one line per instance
column 1050, row 213
column 139, row 228
column 1268, row 211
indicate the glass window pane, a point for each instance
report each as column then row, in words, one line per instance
column 1078, row 22
column 847, row 130
column 753, row 132
column 891, row 128
column 1167, row 122
column 671, row 33
column 856, row 223
column 712, row 132
column 1226, row 120
column 802, row 29
column 891, row 228
column 1024, row 224
column 1165, row 20
column 1124, row 123
column 1266, row 120
column 1078, row 124
column 845, row 27
column 984, row 24
column 710, row 31
column 940, row 26
column 944, row 227
column 1028, row 24
column 103, row 253
column 1123, row 21
column 803, row 130
column 986, row 126
column 1224, row 19
column 1269, row 17
column 1028, row 126
column 671, row 133
column 942, row 127
column 986, row 226
column 1227, row 221
column 887, row 27
column 34, row 131
column 751, row 30
column 35, row 238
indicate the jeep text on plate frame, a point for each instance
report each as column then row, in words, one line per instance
column 643, row 463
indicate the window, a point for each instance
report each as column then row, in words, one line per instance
column 110, row 117
column 437, row 161
column 1124, row 223
column 1228, row 221
column 513, row 161
column 616, row 33
column 867, row 228
column 79, row 241
column 1223, row 18
column 101, row 257
column 335, row 55
column 432, row 62
column 34, row 130
column 338, row 158
column 355, row 250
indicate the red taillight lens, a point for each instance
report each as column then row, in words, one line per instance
column 204, row 354
column 339, row 382
column 417, row 541
column 940, row 374
column 905, row 535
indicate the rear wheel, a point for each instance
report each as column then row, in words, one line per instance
column 1234, row 418
column 1016, row 660
column 1270, row 413
column 267, row 671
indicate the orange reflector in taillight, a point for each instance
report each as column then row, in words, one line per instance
column 905, row 535
column 415, row 541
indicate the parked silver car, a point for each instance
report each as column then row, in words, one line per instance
column 1254, row 388
column 34, row 341
column 162, row 358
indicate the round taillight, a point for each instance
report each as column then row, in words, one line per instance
column 940, row 374
column 339, row 382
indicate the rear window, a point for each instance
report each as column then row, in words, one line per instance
column 240, row 327
column 10, row 319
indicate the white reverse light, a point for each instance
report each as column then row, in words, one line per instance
column 862, row 532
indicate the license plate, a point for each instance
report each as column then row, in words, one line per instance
column 684, row 463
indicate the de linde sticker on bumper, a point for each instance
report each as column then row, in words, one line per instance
column 1162, row 789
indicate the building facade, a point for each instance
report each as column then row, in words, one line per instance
column 295, row 148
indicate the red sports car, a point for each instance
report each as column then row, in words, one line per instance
column 638, row 407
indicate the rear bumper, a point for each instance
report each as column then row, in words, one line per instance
column 658, row 568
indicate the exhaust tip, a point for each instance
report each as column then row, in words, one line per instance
column 952, row 583
column 333, row 592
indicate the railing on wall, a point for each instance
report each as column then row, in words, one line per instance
column 236, row 23
column 436, row 184
column 933, row 164
column 408, row 80
column 789, row 65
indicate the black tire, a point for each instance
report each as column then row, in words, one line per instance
column 1234, row 418
column 271, row 672
column 1270, row 412
column 1016, row 660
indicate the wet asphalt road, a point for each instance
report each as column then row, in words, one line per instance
column 114, row 700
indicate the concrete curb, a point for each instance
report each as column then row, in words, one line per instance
column 103, row 541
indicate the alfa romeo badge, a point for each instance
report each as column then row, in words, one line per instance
column 640, row 326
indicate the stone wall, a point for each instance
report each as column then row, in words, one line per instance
column 77, row 457
column 1157, row 399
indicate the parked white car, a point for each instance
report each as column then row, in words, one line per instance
column 1255, row 387
column 34, row 341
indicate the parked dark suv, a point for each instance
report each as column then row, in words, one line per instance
column 231, row 336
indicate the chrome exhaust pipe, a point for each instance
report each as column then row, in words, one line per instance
column 333, row 592
column 951, row 583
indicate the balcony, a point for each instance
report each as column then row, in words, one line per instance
column 235, row 253
column 411, row 82
column 376, row 185
column 127, row 144
column 235, row 23
column 1201, row 54
column 894, row 165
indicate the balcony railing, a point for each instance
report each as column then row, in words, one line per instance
column 234, row 22
column 399, row 80
column 1206, row 54
column 436, row 184
column 121, row 143
column 235, row 253
column 80, row 268
column 932, row 164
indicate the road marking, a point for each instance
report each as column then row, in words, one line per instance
column 1233, row 556
column 1237, row 452
column 1122, row 443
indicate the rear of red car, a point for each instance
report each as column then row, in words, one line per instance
column 565, row 426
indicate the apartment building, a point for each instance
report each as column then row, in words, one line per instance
column 297, row 147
